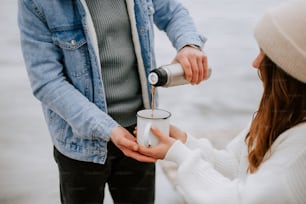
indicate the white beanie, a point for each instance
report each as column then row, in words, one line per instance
column 281, row 34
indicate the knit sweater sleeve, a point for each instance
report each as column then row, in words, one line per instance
column 197, row 179
column 278, row 180
column 226, row 160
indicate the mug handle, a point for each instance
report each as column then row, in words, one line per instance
column 147, row 130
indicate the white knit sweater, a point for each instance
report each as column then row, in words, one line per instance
column 212, row 176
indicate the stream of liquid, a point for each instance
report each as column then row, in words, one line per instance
column 153, row 88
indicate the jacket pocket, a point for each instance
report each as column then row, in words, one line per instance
column 75, row 51
column 69, row 39
column 75, row 58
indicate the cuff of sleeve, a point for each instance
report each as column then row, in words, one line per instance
column 193, row 46
column 104, row 130
column 196, row 41
column 190, row 139
column 178, row 153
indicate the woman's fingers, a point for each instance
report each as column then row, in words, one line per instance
column 158, row 133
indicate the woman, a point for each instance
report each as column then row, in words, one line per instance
column 265, row 163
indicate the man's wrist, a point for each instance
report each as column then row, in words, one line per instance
column 194, row 46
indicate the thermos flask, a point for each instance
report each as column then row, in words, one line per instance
column 169, row 75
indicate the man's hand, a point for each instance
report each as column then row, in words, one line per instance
column 194, row 63
column 128, row 145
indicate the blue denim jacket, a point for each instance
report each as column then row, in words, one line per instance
column 61, row 55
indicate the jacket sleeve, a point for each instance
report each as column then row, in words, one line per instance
column 50, row 86
column 173, row 18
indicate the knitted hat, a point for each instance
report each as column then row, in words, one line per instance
column 281, row 34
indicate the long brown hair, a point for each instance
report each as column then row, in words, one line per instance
column 282, row 106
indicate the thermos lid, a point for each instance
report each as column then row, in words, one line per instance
column 158, row 77
column 153, row 78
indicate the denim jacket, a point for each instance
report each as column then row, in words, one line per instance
column 60, row 50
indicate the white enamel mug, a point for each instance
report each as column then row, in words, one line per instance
column 145, row 119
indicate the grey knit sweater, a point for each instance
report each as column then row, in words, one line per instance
column 118, row 60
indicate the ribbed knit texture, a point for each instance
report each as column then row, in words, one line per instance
column 280, row 178
column 118, row 60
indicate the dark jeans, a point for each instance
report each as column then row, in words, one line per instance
column 129, row 181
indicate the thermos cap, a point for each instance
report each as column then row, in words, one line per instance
column 158, row 77
column 153, row 78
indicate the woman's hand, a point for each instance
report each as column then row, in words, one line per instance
column 128, row 145
column 178, row 134
column 159, row 151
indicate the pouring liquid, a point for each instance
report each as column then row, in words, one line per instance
column 153, row 88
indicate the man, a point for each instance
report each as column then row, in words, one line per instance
column 88, row 62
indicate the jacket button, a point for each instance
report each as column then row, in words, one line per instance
column 151, row 10
column 73, row 42
column 142, row 30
